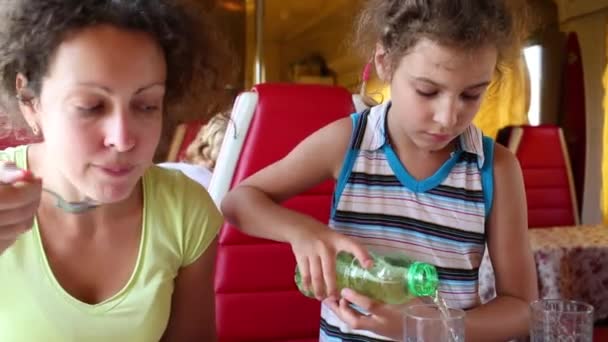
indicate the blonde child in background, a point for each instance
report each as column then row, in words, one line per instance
column 202, row 153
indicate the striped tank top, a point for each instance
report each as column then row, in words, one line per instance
column 439, row 220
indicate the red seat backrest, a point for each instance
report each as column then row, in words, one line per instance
column 256, row 299
column 543, row 156
column 600, row 334
column 192, row 129
column 11, row 135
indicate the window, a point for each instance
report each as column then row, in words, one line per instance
column 533, row 57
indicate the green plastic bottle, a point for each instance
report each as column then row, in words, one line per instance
column 391, row 279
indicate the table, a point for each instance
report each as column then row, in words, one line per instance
column 571, row 263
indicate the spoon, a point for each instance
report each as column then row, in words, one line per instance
column 75, row 207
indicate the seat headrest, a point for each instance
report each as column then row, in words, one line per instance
column 268, row 122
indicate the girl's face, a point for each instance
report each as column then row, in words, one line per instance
column 436, row 91
column 100, row 110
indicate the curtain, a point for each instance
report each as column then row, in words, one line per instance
column 507, row 100
column 604, row 194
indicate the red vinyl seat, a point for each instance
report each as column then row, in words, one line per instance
column 600, row 334
column 543, row 156
column 256, row 298
column 11, row 135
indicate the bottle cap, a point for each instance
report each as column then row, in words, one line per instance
column 422, row 279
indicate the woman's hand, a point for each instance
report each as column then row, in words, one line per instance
column 315, row 249
column 20, row 196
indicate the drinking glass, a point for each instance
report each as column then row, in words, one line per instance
column 557, row 320
column 431, row 323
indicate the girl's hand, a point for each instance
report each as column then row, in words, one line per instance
column 315, row 250
column 382, row 319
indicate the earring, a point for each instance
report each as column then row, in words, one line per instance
column 23, row 99
column 35, row 129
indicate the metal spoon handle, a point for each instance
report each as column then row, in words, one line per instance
column 76, row 207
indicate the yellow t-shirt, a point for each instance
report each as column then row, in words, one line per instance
column 179, row 222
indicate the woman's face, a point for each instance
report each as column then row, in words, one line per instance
column 100, row 110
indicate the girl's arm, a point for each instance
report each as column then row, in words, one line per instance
column 254, row 206
column 507, row 316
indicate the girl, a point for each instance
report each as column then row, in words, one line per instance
column 412, row 175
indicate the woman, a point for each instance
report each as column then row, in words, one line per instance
column 114, row 248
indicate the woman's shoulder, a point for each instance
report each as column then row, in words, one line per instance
column 16, row 154
column 171, row 191
column 10, row 153
column 182, row 210
column 198, row 173
column 171, row 181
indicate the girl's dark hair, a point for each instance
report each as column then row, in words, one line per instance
column 31, row 31
column 399, row 24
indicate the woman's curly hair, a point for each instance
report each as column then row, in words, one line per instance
column 31, row 31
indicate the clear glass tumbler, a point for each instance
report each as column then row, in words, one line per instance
column 557, row 320
column 430, row 323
